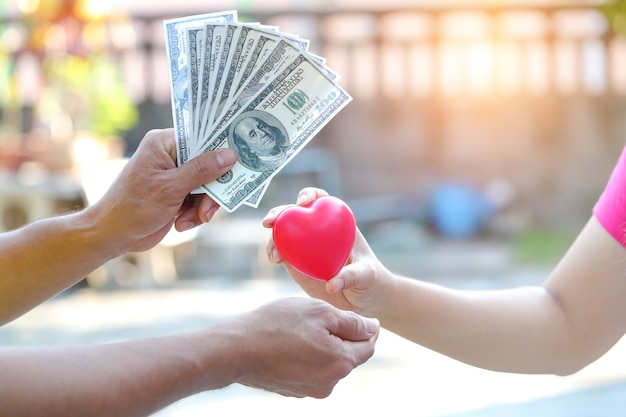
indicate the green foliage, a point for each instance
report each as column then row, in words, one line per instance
column 90, row 92
column 540, row 246
column 615, row 13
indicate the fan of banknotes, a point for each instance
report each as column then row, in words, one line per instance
column 249, row 87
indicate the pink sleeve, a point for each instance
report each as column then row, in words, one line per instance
column 610, row 210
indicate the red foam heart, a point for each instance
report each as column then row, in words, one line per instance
column 316, row 239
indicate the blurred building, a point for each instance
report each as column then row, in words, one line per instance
column 526, row 95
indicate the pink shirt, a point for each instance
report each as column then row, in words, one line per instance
column 610, row 210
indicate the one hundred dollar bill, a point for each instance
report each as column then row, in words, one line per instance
column 273, row 127
column 255, row 199
column 212, row 54
column 250, row 87
column 222, row 54
column 213, row 37
column 256, row 46
column 283, row 53
column 176, row 50
column 195, row 37
column 233, row 64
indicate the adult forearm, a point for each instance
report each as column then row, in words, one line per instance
column 47, row 256
column 127, row 379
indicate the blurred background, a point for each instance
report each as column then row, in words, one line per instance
column 480, row 136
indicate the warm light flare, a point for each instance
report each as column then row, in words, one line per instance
column 28, row 6
column 93, row 9
column 480, row 67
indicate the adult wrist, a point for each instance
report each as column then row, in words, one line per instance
column 224, row 355
column 99, row 233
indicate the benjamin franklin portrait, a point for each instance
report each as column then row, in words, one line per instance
column 259, row 139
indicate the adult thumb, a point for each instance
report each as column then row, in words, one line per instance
column 207, row 167
column 354, row 327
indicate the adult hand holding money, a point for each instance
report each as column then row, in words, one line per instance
column 248, row 87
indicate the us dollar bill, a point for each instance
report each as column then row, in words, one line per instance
column 233, row 64
column 213, row 35
column 250, row 87
column 221, row 58
column 195, row 38
column 255, row 199
column 275, row 62
column 262, row 45
column 256, row 45
column 177, row 58
column 273, row 127
column 210, row 62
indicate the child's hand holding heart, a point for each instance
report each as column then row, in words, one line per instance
column 323, row 251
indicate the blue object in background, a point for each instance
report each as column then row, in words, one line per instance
column 458, row 210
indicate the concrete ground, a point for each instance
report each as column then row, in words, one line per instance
column 402, row 378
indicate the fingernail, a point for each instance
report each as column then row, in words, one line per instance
column 208, row 215
column 335, row 285
column 302, row 198
column 371, row 325
column 226, row 157
column 185, row 226
column 270, row 215
column 275, row 256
